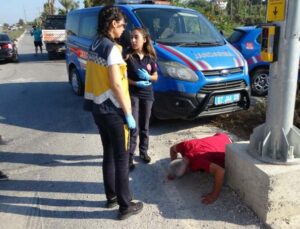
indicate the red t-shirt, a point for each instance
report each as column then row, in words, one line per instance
column 202, row 152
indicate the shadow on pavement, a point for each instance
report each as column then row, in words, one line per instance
column 49, row 202
column 30, row 57
column 52, row 186
column 2, row 62
column 52, row 107
column 35, row 206
column 49, row 160
column 65, row 214
column 46, row 106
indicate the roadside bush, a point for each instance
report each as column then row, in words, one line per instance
column 242, row 123
column 15, row 34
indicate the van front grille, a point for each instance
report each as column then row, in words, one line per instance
column 223, row 72
column 231, row 85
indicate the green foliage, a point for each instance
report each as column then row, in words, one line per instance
column 21, row 22
column 15, row 34
column 68, row 5
column 91, row 3
column 237, row 12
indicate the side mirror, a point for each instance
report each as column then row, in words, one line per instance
column 222, row 33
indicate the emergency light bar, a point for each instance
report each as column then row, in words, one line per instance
column 134, row 2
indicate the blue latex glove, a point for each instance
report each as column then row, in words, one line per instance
column 143, row 84
column 130, row 121
column 143, row 74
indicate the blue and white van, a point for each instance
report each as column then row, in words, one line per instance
column 199, row 72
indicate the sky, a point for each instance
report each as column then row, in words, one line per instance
column 13, row 10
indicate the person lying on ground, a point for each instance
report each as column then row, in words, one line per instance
column 206, row 154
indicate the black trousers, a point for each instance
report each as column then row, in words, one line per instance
column 141, row 111
column 115, row 136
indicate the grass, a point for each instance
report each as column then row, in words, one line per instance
column 242, row 123
column 14, row 34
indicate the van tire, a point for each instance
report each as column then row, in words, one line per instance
column 260, row 79
column 77, row 85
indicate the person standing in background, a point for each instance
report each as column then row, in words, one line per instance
column 142, row 71
column 107, row 97
column 37, row 37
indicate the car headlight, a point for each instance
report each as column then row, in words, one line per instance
column 177, row 71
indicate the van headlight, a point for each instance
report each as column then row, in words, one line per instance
column 177, row 71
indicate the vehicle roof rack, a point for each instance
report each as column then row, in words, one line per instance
column 134, row 1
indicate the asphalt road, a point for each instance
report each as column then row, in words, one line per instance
column 53, row 157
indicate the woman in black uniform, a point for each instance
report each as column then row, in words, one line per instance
column 142, row 71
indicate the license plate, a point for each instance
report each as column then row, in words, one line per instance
column 226, row 99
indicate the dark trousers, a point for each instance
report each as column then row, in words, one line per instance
column 141, row 111
column 114, row 135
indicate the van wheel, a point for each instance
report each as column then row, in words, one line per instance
column 260, row 82
column 76, row 83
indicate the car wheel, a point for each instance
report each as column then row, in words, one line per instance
column 76, row 83
column 260, row 82
column 16, row 58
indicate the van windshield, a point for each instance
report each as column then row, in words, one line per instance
column 179, row 27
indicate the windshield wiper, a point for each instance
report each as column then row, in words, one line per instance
column 195, row 44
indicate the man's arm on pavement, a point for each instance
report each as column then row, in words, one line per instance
column 173, row 152
column 218, row 173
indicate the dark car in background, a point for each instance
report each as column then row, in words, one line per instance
column 247, row 39
column 8, row 48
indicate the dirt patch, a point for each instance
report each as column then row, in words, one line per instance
column 242, row 123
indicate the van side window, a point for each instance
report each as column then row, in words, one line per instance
column 72, row 25
column 88, row 26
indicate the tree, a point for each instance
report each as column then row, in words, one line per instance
column 51, row 8
column 68, row 6
column 5, row 25
column 91, row 3
column 21, row 22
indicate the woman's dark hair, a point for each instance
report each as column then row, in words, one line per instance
column 106, row 16
column 147, row 47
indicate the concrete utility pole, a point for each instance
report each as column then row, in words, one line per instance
column 277, row 141
column 272, row 189
column 25, row 18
